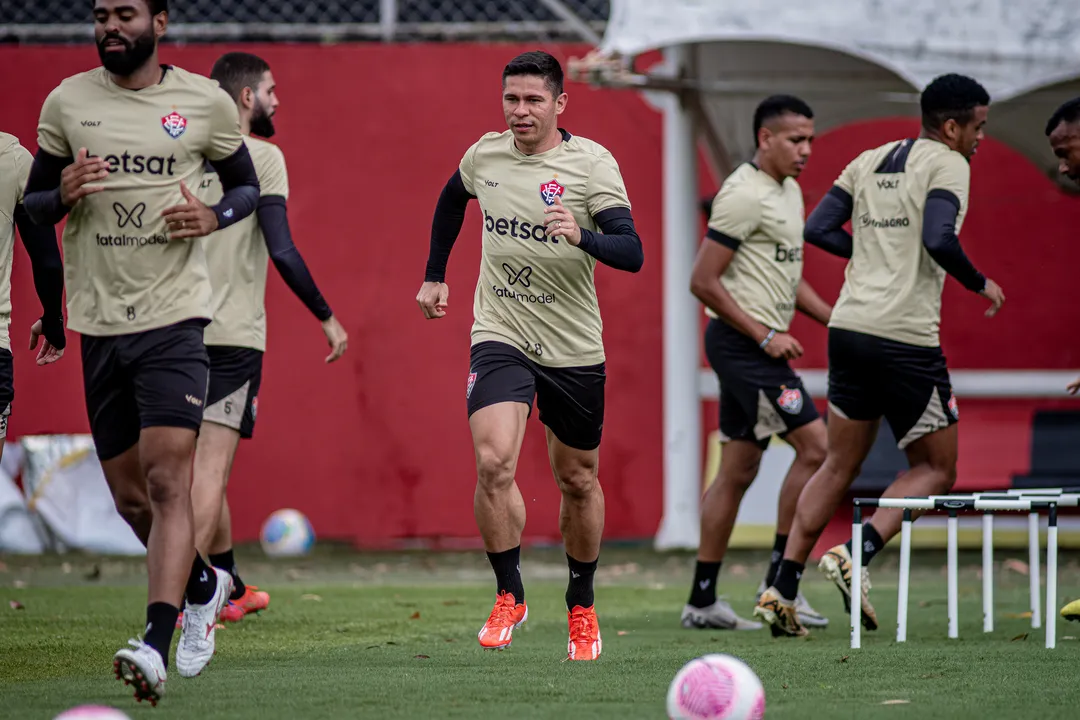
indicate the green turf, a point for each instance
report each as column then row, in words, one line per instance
column 394, row 636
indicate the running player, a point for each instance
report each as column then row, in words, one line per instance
column 748, row 274
column 546, row 196
column 908, row 199
column 119, row 148
column 40, row 244
column 236, row 339
column 1063, row 131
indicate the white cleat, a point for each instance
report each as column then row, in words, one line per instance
column 718, row 616
column 141, row 666
column 196, row 646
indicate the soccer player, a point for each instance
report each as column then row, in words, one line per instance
column 908, row 200
column 121, row 149
column 748, row 274
column 1063, row 132
column 40, row 244
column 546, row 196
column 236, row 339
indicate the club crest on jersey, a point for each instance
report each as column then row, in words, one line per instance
column 551, row 190
column 254, row 406
column 470, row 384
column 790, row 400
column 175, row 124
column 954, row 407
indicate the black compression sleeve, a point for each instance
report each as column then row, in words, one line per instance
column 445, row 226
column 274, row 222
column 940, row 240
column 825, row 226
column 619, row 246
column 240, row 184
column 48, row 269
column 42, row 196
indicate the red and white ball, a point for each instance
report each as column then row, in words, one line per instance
column 716, row 687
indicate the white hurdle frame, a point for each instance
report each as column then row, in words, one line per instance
column 980, row 502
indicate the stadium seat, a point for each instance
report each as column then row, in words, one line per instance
column 1055, row 450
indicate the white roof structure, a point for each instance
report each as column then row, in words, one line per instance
column 863, row 59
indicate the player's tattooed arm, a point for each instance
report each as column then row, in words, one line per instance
column 619, row 246
column 825, row 226
column 48, row 269
column 240, row 186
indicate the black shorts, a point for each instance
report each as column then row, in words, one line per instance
column 233, row 397
column 760, row 396
column 155, row 378
column 570, row 400
column 871, row 377
column 7, row 389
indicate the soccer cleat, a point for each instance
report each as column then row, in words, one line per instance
column 196, row 646
column 505, row 617
column 718, row 616
column 584, row 643
column 780, row 615
column 808, row 616
column 1071, row 611
column 142, row 667
column 253, row 600
column 836, row 564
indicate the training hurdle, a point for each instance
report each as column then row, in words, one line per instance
column 983, row 502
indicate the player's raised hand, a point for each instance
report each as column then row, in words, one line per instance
column 1073, row 386
column 995, row 295
column 560, row 222
column 192, row 219
column 784, row 346
column 336, row 336
column 75, row 178
column 433, row 299
column 48, row 353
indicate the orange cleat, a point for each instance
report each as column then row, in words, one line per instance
column 253, row 600
column 505, row 617
column 584, row 641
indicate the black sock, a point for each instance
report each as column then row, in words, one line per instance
column 787, row 578
column 871, row 543
column 703, row 592
column 225, row 561
column 160, row 623
column 202, row 582
column 579, row 591
column 779, row 545
column 507, row 567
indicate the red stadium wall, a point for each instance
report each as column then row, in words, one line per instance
column 376, row 447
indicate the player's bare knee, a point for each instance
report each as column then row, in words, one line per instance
column 135, row 510
column 494, row 469
column 811, row 454
column 577, row 480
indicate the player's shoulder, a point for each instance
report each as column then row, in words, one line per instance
column 265, row 155
column 583, row 145
column 180, row 76
column 73, row 87
column 743, row 181
column 933, row 153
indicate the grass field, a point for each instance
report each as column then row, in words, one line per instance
column 394, row 636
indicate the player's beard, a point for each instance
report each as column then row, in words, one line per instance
column 261, row 122
column 133, row 57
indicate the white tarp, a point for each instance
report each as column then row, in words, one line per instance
column 843, row 56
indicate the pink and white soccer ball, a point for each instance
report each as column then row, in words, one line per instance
column 716, row 687
column 92, row 712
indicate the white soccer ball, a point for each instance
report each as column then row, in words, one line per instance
column 287, row 533
column 716, row 687
column 92, row 712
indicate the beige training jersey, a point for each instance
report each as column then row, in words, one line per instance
column 238, row 257
column 892, row 287
column 762, row 220
column 15, row 162
column 123, row 272
column 534, row 292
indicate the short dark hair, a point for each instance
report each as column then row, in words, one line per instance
column 777, row 105
column 537, row 62
column 1069, row 113
column 235, row 71
column 951, row 97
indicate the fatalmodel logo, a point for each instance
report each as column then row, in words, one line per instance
column 132, row 216
column 131, row 240
column 522, row 278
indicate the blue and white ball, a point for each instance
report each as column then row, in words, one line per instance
column 287, row 533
